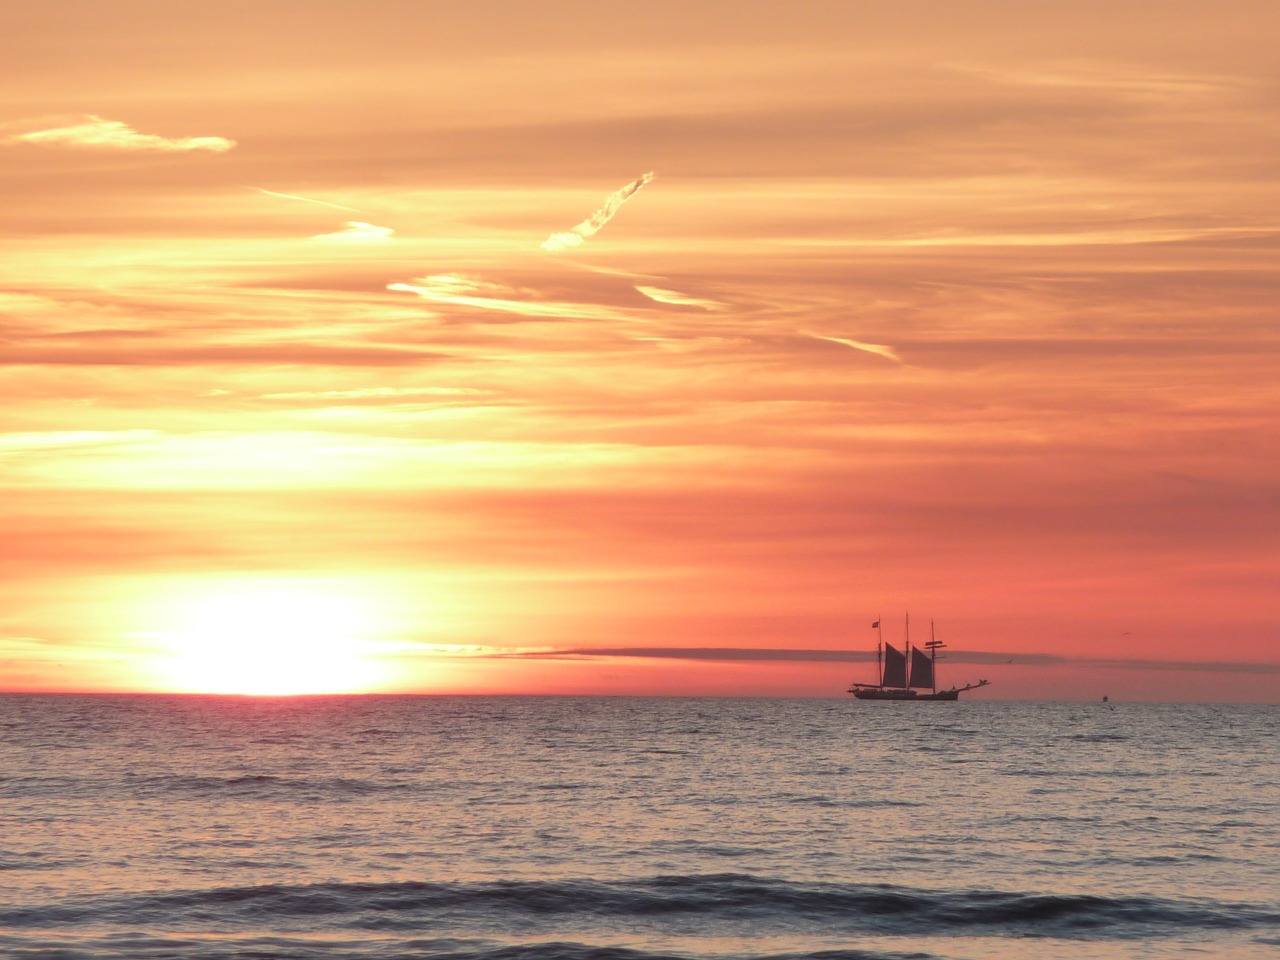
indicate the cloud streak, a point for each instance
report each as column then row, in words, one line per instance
column 375, row 393
column 91, row 132
column 575, row 236
column 463, row 292
column 879, row 349
column 768, row 654
column 301, row 199
column 678, row 299
column 357, row 232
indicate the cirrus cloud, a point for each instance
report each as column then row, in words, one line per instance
column 89, row 131
column 458, row 291
column 357, row 232
column 574, row 236
column 678, row 299
column 880, row 349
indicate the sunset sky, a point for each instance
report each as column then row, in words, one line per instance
column 350, row 346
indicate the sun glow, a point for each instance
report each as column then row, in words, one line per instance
column 271, row 639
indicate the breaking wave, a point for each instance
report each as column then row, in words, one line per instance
column 148, row 946
column 715, row 902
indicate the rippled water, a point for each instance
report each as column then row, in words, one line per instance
column 630, row 829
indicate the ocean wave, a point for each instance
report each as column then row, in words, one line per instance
column 33, row 860
column 708, row 902
column 241, row 786
column 153, row 946
column 862, row 803
column 259, row 786
column 35, row 785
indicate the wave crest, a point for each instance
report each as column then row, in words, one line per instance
column 719, row 902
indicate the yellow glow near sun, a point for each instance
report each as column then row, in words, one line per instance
column 271, row 638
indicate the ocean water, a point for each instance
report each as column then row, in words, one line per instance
column 635, row 829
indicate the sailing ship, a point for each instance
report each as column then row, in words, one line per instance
column 897, row 682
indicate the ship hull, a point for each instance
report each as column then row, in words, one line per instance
column 895, row 693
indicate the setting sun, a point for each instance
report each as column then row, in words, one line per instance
column 270, row 639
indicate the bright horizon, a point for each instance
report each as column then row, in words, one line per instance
column 506, row 348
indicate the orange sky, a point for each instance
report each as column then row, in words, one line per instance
column 962, row 309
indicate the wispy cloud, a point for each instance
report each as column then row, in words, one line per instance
column 879, row 349
column 590, row 227
column 375, row 393
column 728, row 654
column 450, row 288
column 357, row 232
column 301, row 199
column 1110, row 77
column 59, row 439
column 674, row 297
column 89, row 131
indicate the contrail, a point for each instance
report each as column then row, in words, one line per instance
column 676, row 298
column 589, row 228
column 294, row 196
column 879, row 349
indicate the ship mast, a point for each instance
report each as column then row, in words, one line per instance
column 906, row 646
column 879, row 651
column 934, row 646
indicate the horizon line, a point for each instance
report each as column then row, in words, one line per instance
column 490, row 695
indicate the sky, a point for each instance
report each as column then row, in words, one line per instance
column 633, row 348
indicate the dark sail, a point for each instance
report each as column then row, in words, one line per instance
column 895, row 667
column 921, row 670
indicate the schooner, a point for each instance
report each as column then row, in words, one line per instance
column 896, row 682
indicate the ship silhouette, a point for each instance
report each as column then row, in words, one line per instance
column 897, row 682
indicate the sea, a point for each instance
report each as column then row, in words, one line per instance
column 575, row 828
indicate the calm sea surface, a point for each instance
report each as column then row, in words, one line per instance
column 633, row 829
